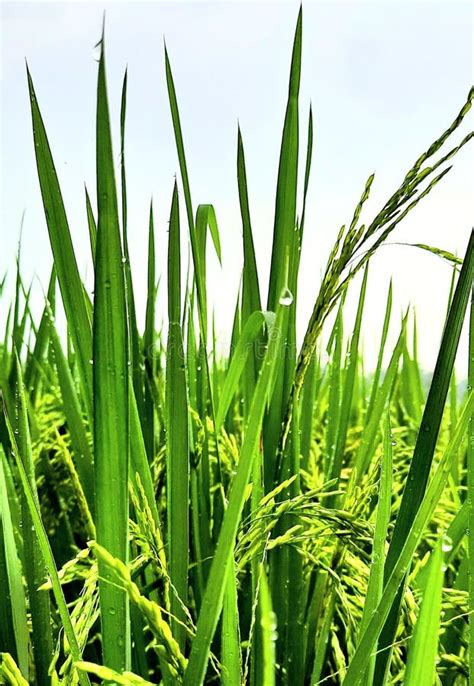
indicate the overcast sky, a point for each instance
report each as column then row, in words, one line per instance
column 384, row 78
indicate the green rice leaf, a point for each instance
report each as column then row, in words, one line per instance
column 206, row 217
column 91, row 224
column 111, row 433
column 268, row 627
column 148, row 410
column 423, row 646
column 177, row 445
column 70, row 283
column 250, row 285
column 231, row 652
column 285, row 203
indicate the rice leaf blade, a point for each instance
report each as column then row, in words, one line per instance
column 423, row 647
column 231, row 652
column 70, row 283
column 285, row 202
column 177, row 446
column 250, row 284
column 110, row 368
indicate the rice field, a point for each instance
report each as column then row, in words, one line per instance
column 275, row 515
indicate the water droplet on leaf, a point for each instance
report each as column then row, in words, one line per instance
column 447, row 544
column 286, row 297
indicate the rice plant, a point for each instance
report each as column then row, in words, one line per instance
column 171, row 515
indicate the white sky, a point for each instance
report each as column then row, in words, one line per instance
column 385, row 79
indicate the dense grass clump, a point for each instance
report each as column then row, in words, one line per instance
column 277, row 516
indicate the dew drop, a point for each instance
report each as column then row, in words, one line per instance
column 286, row 297
column 447, row 544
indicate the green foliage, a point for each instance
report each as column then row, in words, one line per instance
column 173, row 516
